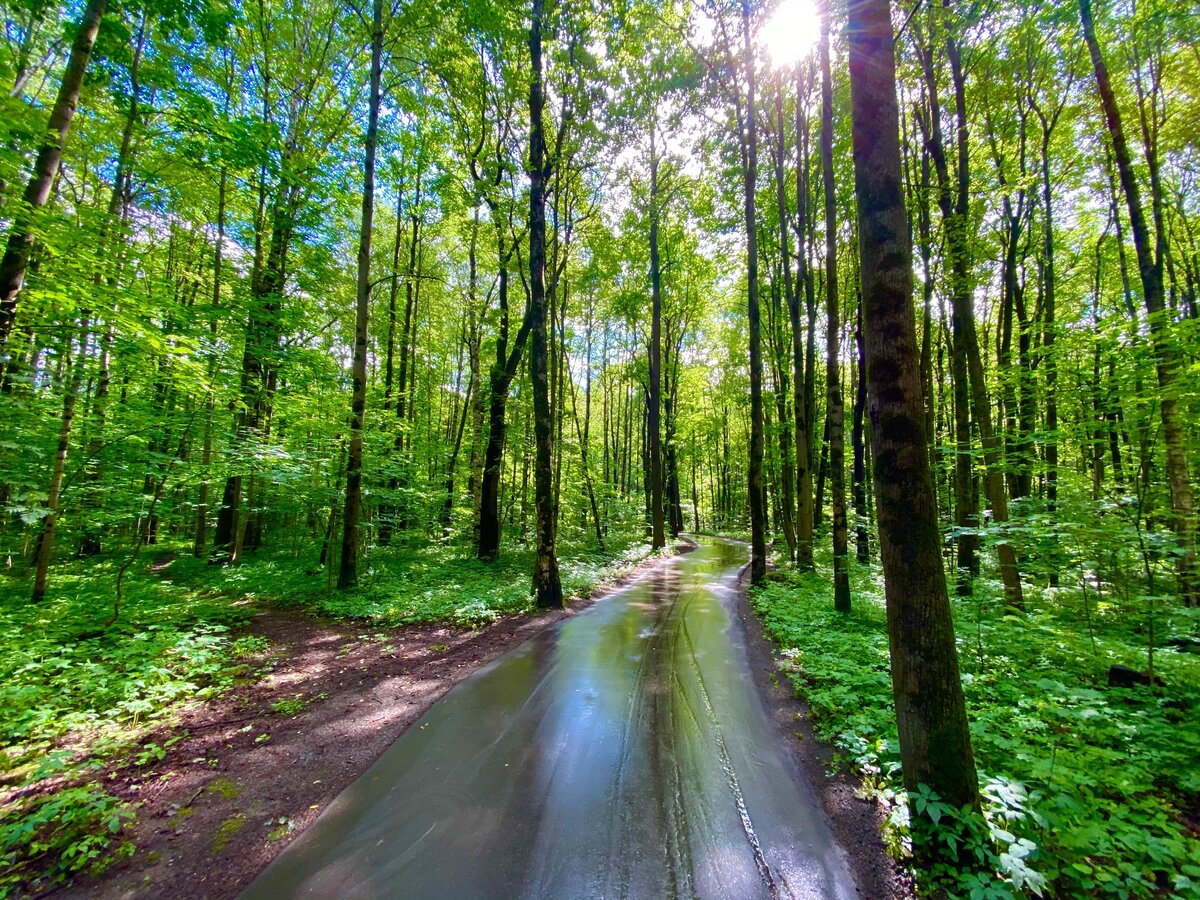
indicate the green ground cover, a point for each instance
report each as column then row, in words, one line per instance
column 1089, row 790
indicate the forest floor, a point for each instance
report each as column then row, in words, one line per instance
column 1089, row 788
column 244, row 772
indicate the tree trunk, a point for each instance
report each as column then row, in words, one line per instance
column 655, row 468
column 955, row 215
column 833, row 378
column 501, row 376
column 546, row 583
column 348, row 564
column 801, row 408
column 45, row 544
column 749, row 130
column 935, row 742
column 37, row 192
column 201, row 537
column 787, row 464
column 1150, row 250
column 859, row 478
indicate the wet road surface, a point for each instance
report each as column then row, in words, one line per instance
column 623, row 753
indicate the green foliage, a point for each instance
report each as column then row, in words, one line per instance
column 77, row 696
column 1086, row 789
column 418, row 585
column 46, row 840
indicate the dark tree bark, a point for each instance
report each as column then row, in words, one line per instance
column 502, row 373
column 862, row 539
column 935, row 743
column 749, row 147
column 352, row 512
column 833, row 379
column 655, row 469
column 546, row 583
column 23, row 232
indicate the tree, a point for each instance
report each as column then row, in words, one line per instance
column 833, row 381
column 1151, row 252
column 22, row 234
column 546, row 582
column 348, row 567
column 935, row 743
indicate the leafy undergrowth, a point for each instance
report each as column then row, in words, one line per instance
column 78, row 698
column 1088, row 790
column 415, row 585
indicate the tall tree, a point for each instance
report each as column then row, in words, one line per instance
column 546, row 582
column 1150, row 251
column 935, row 742
column 654, row 413
column 352, row 514
column 835, row 409
column 23, row 231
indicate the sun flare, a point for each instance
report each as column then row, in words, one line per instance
column 792, row 32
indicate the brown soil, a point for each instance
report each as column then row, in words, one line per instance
column 856, row 823
column 244, row 779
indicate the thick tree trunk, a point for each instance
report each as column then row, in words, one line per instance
column 22, row 233
column 352, row 511
column 935, row 742
column 833, row 379
column 546, row 583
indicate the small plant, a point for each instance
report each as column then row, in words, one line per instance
column 289, row 706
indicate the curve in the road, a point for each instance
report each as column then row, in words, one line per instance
column 623, row 753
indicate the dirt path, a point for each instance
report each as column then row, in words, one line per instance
column 244, row 777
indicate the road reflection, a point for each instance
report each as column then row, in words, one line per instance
column 624, row 753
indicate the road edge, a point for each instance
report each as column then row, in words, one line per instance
column 855, row 822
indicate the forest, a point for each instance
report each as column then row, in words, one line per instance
column 410, row 315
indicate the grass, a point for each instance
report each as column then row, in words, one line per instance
column 1089, row 790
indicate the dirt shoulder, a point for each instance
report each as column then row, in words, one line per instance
column 244, row 778
column 855, row 822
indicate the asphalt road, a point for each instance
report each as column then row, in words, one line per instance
column 623, row 753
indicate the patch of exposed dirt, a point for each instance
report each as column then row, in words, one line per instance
column 252, row 769
column 856, row 823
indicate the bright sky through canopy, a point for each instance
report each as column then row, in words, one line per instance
column 791, row 32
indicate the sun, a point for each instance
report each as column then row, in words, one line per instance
column 792, row 32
